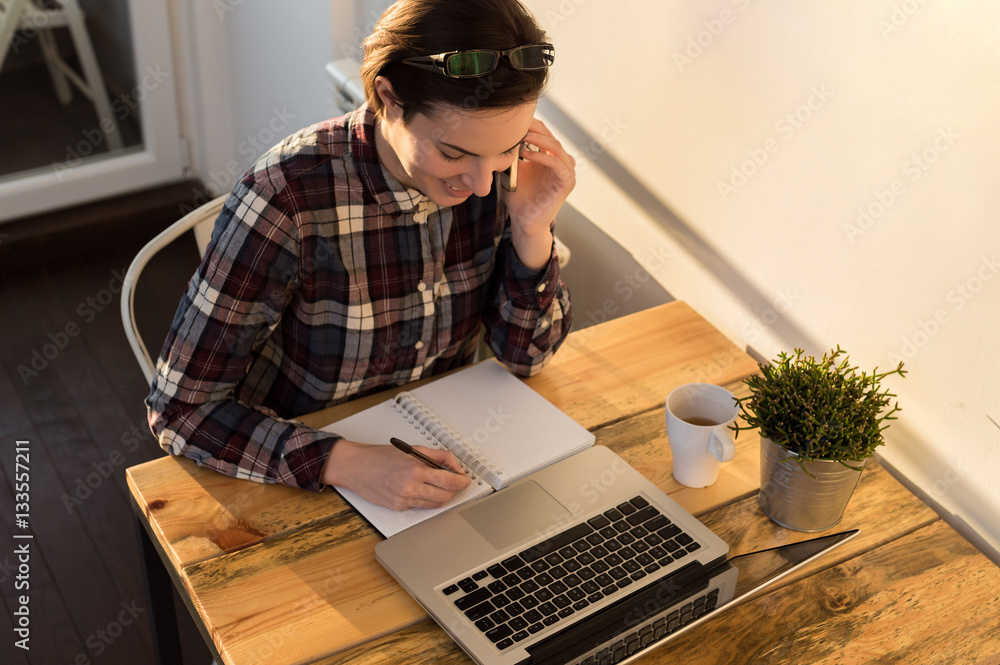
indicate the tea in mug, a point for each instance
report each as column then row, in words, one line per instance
column 699, row 420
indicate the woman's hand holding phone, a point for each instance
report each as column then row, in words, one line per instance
column 541, row 179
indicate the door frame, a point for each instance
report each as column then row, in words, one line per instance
column 158, row 160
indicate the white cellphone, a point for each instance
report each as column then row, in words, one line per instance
column 512, row 171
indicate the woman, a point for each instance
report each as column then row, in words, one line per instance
column 368, row 251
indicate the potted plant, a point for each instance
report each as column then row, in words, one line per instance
column 819, row 422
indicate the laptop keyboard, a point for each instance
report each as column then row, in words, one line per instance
column 550, row 581
column 654, row 631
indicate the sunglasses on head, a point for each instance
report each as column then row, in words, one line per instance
column 480, row 62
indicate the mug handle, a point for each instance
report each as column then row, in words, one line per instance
column 721, row 445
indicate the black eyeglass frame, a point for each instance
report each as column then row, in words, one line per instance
column 439, row 62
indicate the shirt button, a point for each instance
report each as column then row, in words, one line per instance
column 421, row 287
column 541, row 287
column 419, row 345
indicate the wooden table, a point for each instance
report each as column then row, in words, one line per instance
column 278, row 575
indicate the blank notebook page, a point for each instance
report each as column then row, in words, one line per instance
column 493, row 412
column 504, row 419
column 375, row 425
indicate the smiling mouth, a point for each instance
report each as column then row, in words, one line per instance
column 455, row 189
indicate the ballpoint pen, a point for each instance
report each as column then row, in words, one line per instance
column 409, row 450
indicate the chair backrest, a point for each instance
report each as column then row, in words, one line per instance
column 201, row 220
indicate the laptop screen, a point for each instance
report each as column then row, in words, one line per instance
column 653, row 615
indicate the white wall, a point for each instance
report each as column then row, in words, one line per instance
column 251, row 73
column 730, row 146
column 821, row 173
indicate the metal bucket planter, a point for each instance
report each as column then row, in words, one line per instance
column 796, row 500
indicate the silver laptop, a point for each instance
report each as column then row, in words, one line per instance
column 581, row 562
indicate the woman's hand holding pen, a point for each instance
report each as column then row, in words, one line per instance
column 384, row 476
column 546, row 178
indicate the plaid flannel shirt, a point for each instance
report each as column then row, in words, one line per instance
column 326, row 279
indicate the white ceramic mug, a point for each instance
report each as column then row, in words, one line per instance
column 698, row 418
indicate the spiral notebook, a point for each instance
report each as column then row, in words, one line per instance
column 498, row 428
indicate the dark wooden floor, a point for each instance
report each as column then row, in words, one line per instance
column 72, row 389
column 37, row 132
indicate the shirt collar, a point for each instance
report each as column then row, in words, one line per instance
column 394, row 197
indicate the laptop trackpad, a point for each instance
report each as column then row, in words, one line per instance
column 514, row 514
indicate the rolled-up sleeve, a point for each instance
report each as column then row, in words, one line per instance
column 234, row 300
column 529, row 314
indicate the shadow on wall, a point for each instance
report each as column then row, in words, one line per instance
column 687, row 237
column 604, row 280
column 949, row 479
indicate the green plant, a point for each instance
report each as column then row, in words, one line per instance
column 819, row 409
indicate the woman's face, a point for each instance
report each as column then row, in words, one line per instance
column 452, row 153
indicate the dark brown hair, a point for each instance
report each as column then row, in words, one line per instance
column 425, row 27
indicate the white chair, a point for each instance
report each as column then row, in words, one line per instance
column 30, row 18
column 200, row 220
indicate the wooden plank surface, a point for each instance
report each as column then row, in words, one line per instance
column 881, row 507
column 628, row 365
column 928, row 597
column 198, row 513
column 294, row 565
column 273, row 547
column 284, row 576
column 600, row 374
column 925, row 598
column 280, row 575
column 312, row 591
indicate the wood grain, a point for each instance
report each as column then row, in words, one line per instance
column 315, row 591
column 602, row 373
column 641, row 440
column 278, row 575
column 198, row 513
column 881, row 508
column 927, row 597
column 331, row 547
column 628, row 365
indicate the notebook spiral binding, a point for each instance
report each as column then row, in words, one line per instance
column 440, row 434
